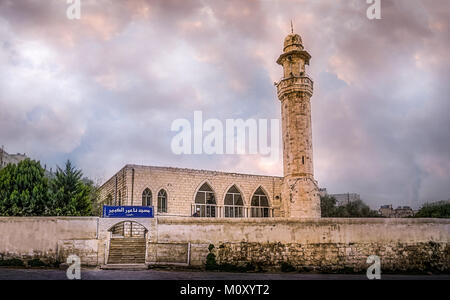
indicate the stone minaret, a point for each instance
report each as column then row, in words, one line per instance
column 300, row 195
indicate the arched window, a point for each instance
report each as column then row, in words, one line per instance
column 147, row 197
column 205, row 202
column 260, row 204
column 234, row 206
column 162, row 201
column 109, row 199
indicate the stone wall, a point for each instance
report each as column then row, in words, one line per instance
column 338, row 257
column 322, row 245
column 128, row 229
column 335, row 245
column 169, row 253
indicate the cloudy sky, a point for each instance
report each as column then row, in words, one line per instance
column 104, row 90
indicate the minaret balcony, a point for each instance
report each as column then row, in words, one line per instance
column 295, row 84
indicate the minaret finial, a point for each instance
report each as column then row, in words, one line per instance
column 292, row 28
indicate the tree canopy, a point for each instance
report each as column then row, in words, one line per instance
column 439, row 209
column 69, row 194
column 354, row 209
column 26, row 190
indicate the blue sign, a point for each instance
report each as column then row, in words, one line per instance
column 127, row 211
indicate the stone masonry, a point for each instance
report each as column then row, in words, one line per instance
column 323, row 245
column 300, row 190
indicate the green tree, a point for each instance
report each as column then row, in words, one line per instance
column 439, row 209
column 354, row 209
column 24, row 190
column 97, row 207
column 70, row 195
column 328, row 206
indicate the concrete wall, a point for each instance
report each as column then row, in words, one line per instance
column 324, row 244
column 49, row 238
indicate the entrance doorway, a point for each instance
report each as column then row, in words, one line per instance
column 127, row 243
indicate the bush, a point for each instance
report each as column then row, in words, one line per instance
column 13, row 262
column 211, row 263
column 36, row 263
column 287, row 267
column 24, row 190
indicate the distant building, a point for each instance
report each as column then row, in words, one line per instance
column 322, row 192
column 6, row 158
column 403, row 212
column 388, row 211
column 343, row 199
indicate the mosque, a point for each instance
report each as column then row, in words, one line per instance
column 213, row 194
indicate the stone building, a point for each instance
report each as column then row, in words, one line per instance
column 6, row 158
column 404, row 212
column 388, row 211
column 343, row 199
column 187, row 192
column 323, row 192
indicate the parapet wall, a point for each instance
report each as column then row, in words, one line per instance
column 310, row 231
column 49, row 238
column 321, row 245
column 334, row 245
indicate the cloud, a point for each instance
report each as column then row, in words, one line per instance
column 104, row 90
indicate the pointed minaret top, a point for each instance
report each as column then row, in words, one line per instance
column 292, row 28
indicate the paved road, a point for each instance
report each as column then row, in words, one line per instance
column 96, row 274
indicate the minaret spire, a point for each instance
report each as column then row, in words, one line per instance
column 299, row 191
